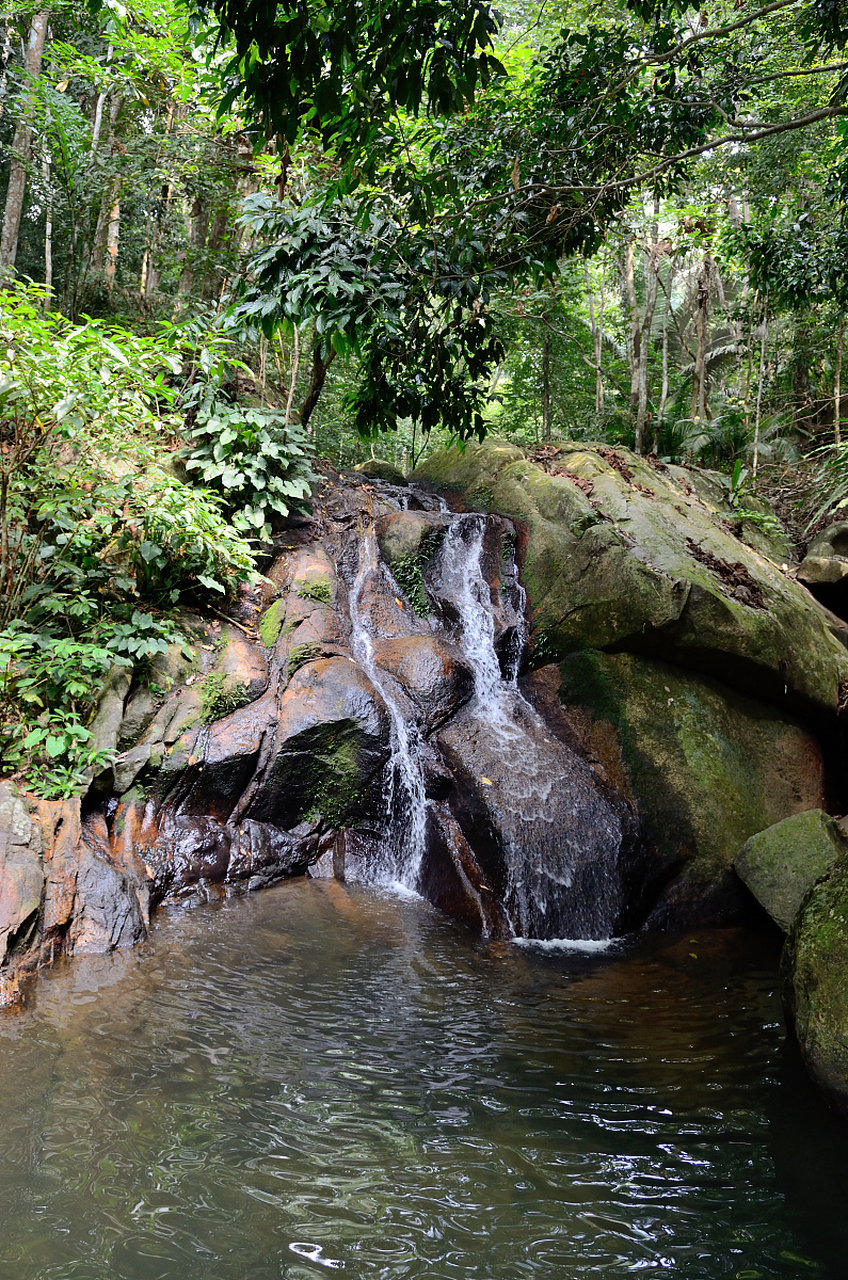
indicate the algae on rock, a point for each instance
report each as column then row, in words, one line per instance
column 782, row 863
column 704, row 766
column 619, row 554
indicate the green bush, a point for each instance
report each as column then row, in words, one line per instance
column 257, row 462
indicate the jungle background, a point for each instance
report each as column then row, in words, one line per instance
column 243, row 238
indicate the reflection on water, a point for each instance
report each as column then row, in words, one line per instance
column 311, row 1080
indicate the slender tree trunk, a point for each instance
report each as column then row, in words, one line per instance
column 5, row 54
column 664, row 388
column 596, row 324
column 295, row 364
column 215, row 272
column 48, row 231
column 633, row 328
column 837, row 385
column 98, row 260
column 546, row 384
column 760, row 391
column 652, row 268
column 21, row 153
column 699, row 379
column 198, row 230
column 151, row 268
column 112, row 236
column 320, row 368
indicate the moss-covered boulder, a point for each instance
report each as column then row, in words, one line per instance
column 621, row 553
column 330, row 742
column 814, row 974
column 703, row 766
column 381, row 469
column 781, row 864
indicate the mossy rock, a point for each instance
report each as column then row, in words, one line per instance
column 409, row 535
column 704, row 767
column 814, row 981
column 381, row 469
column 620, row 555
column 332, row 741
column 271, row 623
column 781, row 864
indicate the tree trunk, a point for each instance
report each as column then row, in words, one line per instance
column 633, row 328
column 837, row 385
column 664, row 388
column 214, row 272
column 596, row 324
column 699, row 378
column 760, row 390
column 198, row 230
column 652, row 268
column 546, row 384
column 112, row 234
column 48, row 232
column 98, row 261
column 320, row 368
column 21, row 153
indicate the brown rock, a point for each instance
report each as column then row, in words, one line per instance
column 434, row 674
column 331, row 740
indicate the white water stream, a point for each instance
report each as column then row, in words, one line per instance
column 558, row 837
column 404, row 796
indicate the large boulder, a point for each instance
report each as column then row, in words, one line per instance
column 621, row 553
column 21, row 873
column 781, row 864
column 330, row 743
column 814, row 972
column 703, row 766
column 434, row 674
column 381, row 469
column 62, row 889
column 824, row 569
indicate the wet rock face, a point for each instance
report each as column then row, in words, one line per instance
column 703, row 767
column 814, row 980
column 61, row 889
column 548, row 837
column 432, row 672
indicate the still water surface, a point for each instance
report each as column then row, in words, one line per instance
column 314, row 1080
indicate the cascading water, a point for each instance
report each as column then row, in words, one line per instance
column 535, row 784
column 405, row 799
column 545, row 835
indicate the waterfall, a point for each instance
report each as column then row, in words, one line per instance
column 548, row 817
column 546, row 835
column 404, row 795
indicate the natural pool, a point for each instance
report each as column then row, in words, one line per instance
column 316, row 1078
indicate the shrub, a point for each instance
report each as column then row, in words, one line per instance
column 258, row 463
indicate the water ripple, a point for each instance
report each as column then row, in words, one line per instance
column 277, row 1089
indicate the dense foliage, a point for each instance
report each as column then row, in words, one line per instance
column 300, row 228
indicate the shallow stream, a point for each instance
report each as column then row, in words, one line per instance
column 317, row 1079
